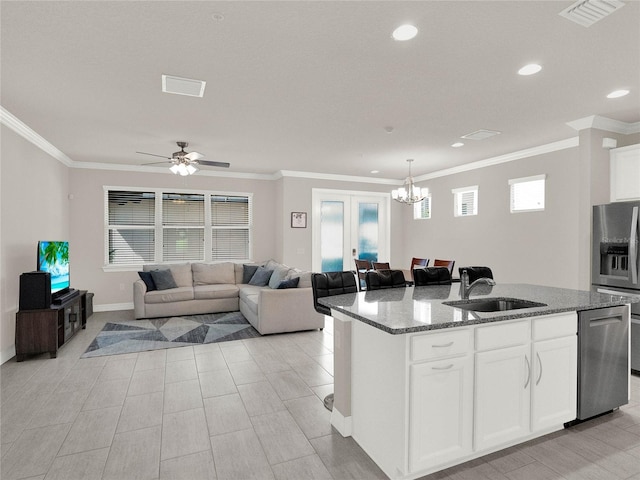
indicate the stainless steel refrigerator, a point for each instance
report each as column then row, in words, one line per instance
column 615, row 261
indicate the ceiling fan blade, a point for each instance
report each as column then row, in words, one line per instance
column 158, row 163
column 209, row 163
column 154, row 155
column 194, row 156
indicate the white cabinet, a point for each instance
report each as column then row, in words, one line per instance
column 503, row 379
column 440, row 413
column 625, row 173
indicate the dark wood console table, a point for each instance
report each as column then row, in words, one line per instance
column 46, row 330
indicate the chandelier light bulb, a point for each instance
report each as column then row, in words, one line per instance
column 409, row 193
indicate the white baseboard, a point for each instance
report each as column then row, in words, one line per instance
column 111, row 307
column 7, row 354
column 341, row 423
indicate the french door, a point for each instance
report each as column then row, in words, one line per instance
column 348, row 226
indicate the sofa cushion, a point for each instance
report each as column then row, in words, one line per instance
column 148, row 280
column 226, row 290
column 172, row 295
column 247, row 272
column 261, row 277
column 279, row 274
column 291, row 283
column 181, row 272
column 305, row 277
column 213, row 273
column 163, row 279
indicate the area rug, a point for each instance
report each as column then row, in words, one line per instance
column 129, row 336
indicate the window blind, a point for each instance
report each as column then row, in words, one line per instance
column 182, row 244
column 527, row 194
column 127, row 246
column 232, row 244
column 465, row 201
column 131, row 208
column 179, row 209
column 422, row 209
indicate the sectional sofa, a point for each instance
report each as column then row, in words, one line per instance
column 283, row 304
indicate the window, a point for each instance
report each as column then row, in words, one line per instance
column 152, row 226
column 422, row 209
column 465, row 201
column 527, row 194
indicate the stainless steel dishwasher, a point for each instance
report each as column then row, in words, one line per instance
column 603, row 360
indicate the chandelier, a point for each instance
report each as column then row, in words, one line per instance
column 409, row 193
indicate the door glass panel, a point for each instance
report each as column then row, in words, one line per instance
column 332, row 235
column 368, row 231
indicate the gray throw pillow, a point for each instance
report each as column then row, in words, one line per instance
column 261, row 277
column 291, row 283
column 248, row 271
column 148, row 280
column 163, row 279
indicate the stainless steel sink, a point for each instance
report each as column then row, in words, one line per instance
column 493, row 304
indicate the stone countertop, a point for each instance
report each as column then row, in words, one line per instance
column 416, row 309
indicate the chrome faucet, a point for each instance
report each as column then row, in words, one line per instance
column 465, row 288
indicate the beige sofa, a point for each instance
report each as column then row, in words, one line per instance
column 218, row 287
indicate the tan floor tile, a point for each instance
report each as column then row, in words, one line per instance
column 141, row 411
column 146, row 381
column 92, row 429
column 110, row 393
column 306, row 467
column 226, row 414
column 79, row 466
column 184, row 433
column 239, row 455
column 216, row 383
column 134, row 455
column 197, row 466
column 281, row 438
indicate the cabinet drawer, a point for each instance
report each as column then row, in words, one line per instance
column 555, row 326
column 440, row 345
column 502, row 335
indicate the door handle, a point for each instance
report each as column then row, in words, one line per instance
column 633, row 246
column 353, row 252
column 540, row 364
column 526, row 359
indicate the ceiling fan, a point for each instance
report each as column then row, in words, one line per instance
column 184, row 163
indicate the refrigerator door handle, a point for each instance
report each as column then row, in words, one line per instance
column 633, row 246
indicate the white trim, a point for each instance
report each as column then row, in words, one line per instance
column 464, row 189
column 532, row 178
column 340, row 178
column 342, row 424
column 22, row 129
column 509, row 157
column 8, row 354
column 604, row 123
column 112, row 307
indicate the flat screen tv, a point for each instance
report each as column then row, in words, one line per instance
column 53, row 257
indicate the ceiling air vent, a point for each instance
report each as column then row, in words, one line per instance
column 183, row 86
column 480, row 134
column 588, row 12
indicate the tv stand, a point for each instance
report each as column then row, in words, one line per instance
column 48, row 329
column 65, row 297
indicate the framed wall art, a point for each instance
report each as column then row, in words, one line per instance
column 298, row 219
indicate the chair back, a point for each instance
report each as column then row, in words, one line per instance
column 476, row 272
column 431, row 276
column 385, row 279
column 328, row 284
column 418, row 262
column 362, row 267
column 445, row 263
column 381, row 265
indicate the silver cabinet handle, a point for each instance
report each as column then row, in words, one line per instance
column 443, row 368
column 539, row 363
column 442, row 346
column 633, row 246
column 526, row 359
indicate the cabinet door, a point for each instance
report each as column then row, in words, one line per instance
column 503, row 389
column 625, row 173
column 440, row 412
column 554, row 381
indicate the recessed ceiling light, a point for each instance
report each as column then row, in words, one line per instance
column 618, row 93
column 375, row 171
column 404, row 32
column 457, row 145
column 530, row 69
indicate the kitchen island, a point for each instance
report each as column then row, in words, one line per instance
column 422, row 385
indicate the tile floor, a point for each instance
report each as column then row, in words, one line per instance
column 238, row 410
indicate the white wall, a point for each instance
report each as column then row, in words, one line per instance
column 34, row 206
column 536, row 247
column 87, row 226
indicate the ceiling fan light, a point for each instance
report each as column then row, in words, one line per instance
column 174, row 168
column 191, row 169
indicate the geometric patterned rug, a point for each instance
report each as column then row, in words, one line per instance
column 130, row 336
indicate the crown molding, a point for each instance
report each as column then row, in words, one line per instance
column 337, row 177
column 509, row 157
column 14, row 123
column 606, row 124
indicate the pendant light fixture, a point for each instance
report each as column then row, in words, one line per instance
column 409, row 193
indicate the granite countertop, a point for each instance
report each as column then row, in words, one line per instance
column 415, row 309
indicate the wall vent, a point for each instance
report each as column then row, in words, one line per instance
column 480, row 134
column 588, row 12
column 183, row 86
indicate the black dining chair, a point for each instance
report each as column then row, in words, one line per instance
column 431, row 276
column 362, row 267
column 328, row 284
column 385, row 279
column 476, row 272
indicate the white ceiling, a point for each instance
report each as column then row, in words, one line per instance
column 311, row 86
